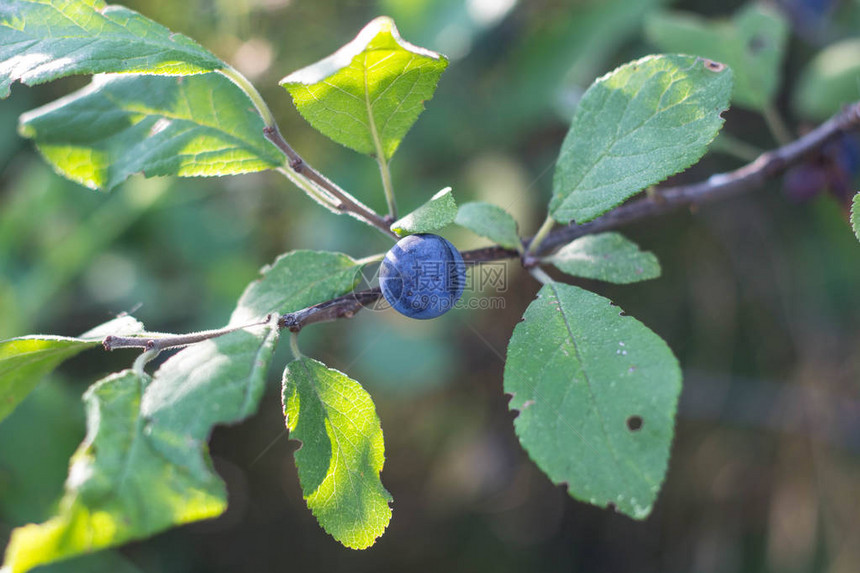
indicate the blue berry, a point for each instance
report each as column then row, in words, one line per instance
column 422, row 276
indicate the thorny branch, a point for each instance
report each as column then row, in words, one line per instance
column 661, row 201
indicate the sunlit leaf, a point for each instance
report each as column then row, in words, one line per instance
column 491, row 222
column 634, row 127
column 144, row 465
column 294, row 281
column 606, row 257
column 436, row 213
column 24, row 361
column 752, row 44
column 342, row 451
column 368, row 94
column 123, row 124
column 596, row 393
column 44, row 40
column 213, row 382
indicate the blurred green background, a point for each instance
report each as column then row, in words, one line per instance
column 758, row 299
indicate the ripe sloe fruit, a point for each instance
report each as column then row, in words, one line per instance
column 422, row 276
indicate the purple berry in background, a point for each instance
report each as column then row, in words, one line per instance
column 848, row 152
column 832, row 170
column 422, row 276
column 805, row 181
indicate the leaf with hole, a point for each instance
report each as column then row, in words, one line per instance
column 368, row 94
column 606, row 257
column 144, row 465
column 342, row 451
column 491, row 222
column 637, row 125
column 120, row 125
column 25, row 360
column 596, row 393
column 436, row 213
column 752, row 44
column 296, row 280
column 42, row 41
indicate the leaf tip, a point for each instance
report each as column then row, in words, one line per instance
column 441, row 193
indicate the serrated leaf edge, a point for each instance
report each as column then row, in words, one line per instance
column 556, row 203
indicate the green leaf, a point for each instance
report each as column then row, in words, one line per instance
column 491, row 222
column 42, row 41
column 119, row 488
column 218, row 381
column 855, row 215
column 144, row 466
column 606, row 257
column 634, row 127
column 830, row 81
column 752, row 44
column 583, row 378
column 342, row 451
column 120, row 125
column 296, row 280
column 24, row 361
column 368, row 94
column 436, row 213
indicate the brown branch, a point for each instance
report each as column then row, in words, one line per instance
column 154, row 341
column 346, row 202
column 342, row 307
column 661, row 201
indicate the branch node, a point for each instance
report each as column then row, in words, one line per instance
column 529, row 260
column 290, row 321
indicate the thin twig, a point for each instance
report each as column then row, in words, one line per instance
column 307, row 177
column 347, row 203
column 342, row 307
column 158, row 342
